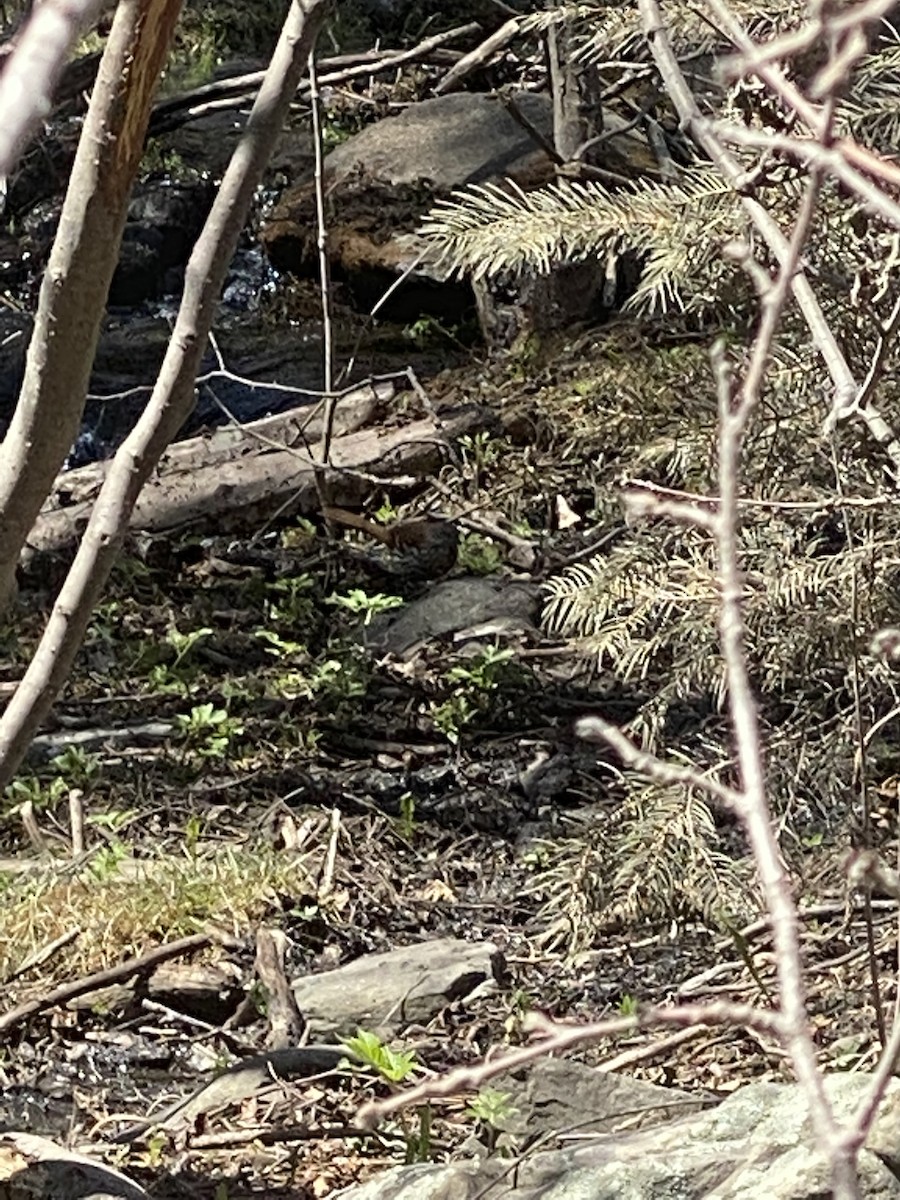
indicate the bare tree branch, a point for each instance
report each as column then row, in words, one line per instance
column 556, row 1038
column 173, row 395
column 76, row 282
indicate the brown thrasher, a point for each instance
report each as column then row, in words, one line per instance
column 420, row 548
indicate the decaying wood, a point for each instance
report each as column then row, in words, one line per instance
column 142, row 964
column 246, row 473
column 286, row 1022
column 295, row 428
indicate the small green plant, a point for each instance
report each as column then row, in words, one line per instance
column 208, row 731
column 299, row 740
column 407, row 821
column 104, row 863
column 491, row 1106
column 153, row 1154
column 394, row 1066
column 452, row 715
column 193, row 830
column 484, row 671
column 179, row 675
column 291, row 600
column 75, row 766
column 184, row 643
column 523, row 528
column 106, row 620
column 479, row 453
column 114, row 820
column 30, row 789
column 198, row 51
column 331, row 679
column 159, row 159
column 491, row 1109
column 473, row 683
column 359, row 601
column 628, row 1006
column 428, row 330
column 338, row 678
column 308, row 741
column 280, row 647
column 334, row 133
column 386, row 514
column 478, row 555
column 418, row 1141
column 258, row 996
column 520, row 1005
column 521, row 1001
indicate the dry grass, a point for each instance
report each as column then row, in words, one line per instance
column 141, row 903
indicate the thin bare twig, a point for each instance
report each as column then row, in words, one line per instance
column 694, row 121
column 595, row 729
column 555, row 1039
column 172, row 398
column 737, row 403
column 491, row 46
column 320, row 467
column 238, row 90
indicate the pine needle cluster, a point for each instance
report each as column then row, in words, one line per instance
column 819, row 536
column 821, row 577
column 676, row 226
column 658, row 856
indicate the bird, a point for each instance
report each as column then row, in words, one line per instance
column 418, row 549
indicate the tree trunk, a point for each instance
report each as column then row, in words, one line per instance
column 173, row 394
column 31, row 61
column 76, row 282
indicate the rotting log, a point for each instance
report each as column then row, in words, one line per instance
column 232, row 478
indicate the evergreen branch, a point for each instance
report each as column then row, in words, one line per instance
column 494, row 228
column 617, row 30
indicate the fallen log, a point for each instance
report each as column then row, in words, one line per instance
column 295, row 428
column 240, row 477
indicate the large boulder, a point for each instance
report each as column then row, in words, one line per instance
column 381, row 183
column 757, row 1144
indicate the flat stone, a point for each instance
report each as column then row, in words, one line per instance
column 382, row 993
column 453, row 606
column 34, row 1166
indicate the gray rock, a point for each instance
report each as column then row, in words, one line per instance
column 557, row 1094
column 448, row 142
column 453, row 606
column 756, row 1145
column 34, row 1166
column 384, row 180
column 381, row 993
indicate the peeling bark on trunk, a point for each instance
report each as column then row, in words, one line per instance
column 173, row 395
column 76, row 282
